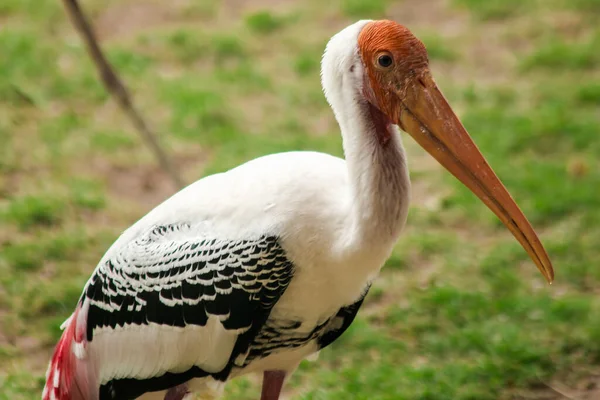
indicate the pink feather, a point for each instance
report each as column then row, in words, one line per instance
column 67, row 376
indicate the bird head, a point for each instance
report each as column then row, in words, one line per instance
column 382, row 64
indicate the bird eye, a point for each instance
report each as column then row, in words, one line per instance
column 385, row 60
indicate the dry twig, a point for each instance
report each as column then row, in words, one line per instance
column 561, row 390
column 115, row 86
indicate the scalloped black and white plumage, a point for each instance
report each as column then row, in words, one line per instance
column 172, row 281
column 174, row 306
column 169, row 279
column 260, row 267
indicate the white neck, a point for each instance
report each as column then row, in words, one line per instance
column 378, row 173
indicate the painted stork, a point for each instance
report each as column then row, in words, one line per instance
column 257, row 268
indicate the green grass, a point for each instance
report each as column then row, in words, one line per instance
column 29, row 211
column 364, row 9
column 264, row 22
column 459, row 312
column 437, row 48
column 494, row 9
column 558, row 54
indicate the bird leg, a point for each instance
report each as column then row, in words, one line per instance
column 272, row 384
column 177, row 392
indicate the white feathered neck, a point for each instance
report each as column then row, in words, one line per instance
column 377, row 171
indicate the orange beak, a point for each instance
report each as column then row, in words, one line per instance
column 428, row 118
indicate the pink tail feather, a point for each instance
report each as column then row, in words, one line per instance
column 65, row 378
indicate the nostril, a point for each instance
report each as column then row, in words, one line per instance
column 421, row 81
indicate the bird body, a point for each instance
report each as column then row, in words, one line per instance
column 259, row 267
column 303, row 200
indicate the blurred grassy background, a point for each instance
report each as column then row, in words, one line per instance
column 458, row 313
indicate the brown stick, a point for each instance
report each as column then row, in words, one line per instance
column 116, row 87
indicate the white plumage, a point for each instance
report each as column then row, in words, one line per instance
column 250, row 270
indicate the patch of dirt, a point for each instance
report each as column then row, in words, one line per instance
column 435, row 15
column 147, row 184
column 584, row 389
column 129, row 17
column 238, row 8
column 567, row 24
column 485, row 57
column 37, row 353
column 323, row 124
column 425, row 192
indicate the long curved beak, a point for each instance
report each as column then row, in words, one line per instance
column 428, row 118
